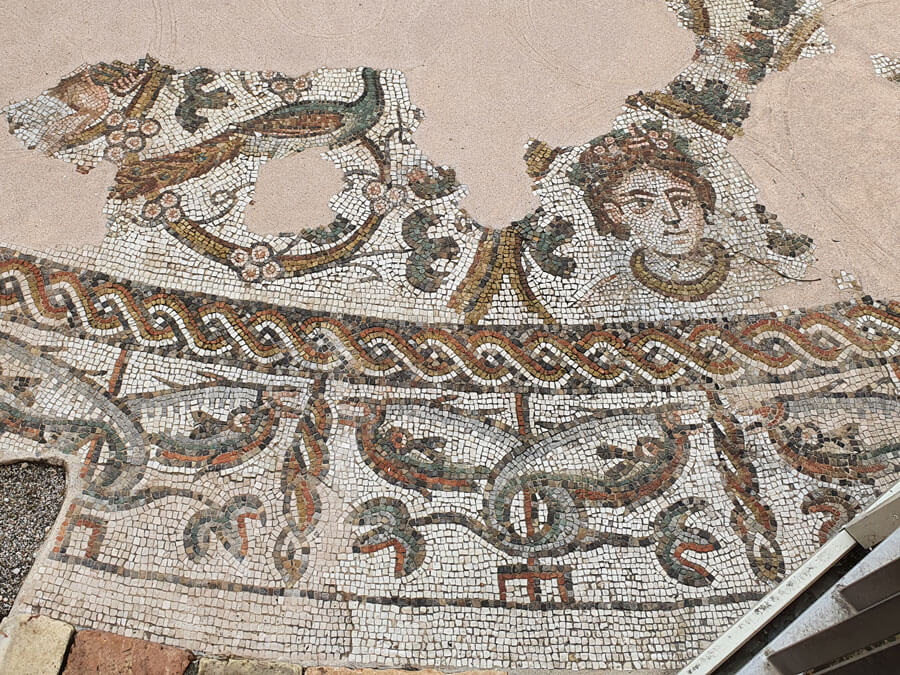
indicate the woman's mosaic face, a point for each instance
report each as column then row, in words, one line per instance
column 661, row 211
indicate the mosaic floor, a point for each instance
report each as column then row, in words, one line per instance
column 580, row 441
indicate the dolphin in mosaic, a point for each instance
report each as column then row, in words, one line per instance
column 40, row 401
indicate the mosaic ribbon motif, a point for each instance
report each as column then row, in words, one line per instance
column 121, row 314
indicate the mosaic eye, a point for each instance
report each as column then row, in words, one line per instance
column 640, row 204
column 240, row 421
column 809, row 434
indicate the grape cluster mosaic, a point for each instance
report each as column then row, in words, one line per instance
column 404, row 438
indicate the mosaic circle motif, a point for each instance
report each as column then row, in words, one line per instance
column 406, row 437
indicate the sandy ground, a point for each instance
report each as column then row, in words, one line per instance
column 32, row 495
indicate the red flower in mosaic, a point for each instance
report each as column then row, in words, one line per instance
column 115, row 154
column 260, row 253
column 374, row 189
column 149, row 128
column 250, row 273
column 383, row 198
column 115, row 119
column 256, row 263
column 396, row 195
column 272, row 270
column 134, row 143
column 239, row 257
column 151, row 210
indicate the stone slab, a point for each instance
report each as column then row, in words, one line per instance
column 100, row 652
column 246, row 667
column 373, row 671
column 33, row 644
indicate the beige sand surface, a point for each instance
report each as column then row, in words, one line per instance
column 489, row 74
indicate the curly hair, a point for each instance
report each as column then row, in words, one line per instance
column 609, row 159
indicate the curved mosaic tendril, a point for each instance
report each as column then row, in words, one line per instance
column 387, row 524
column 228, row 524
column 838, row 507
column 674, row 537
column 751, row 518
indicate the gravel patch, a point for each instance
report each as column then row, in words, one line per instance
column 31, row 495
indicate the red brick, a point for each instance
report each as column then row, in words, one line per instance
column 97, row 652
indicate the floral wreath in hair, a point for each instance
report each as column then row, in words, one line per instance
column 608, row 160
